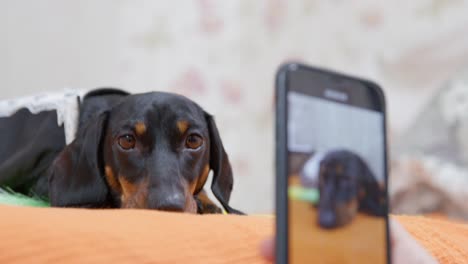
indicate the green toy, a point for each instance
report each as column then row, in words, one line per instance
column 303, row 194
column 9, row 197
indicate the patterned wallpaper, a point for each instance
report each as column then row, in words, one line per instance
column 223, row 54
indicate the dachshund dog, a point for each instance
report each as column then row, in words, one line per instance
column 152, row 150
column 346, row 186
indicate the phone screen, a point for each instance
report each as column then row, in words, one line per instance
column 337, row 210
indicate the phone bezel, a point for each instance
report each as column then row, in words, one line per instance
column 281, row 90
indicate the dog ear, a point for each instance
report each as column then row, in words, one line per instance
column 98, row 101
column 373, row 196
column 219, row 163
column 76, row 175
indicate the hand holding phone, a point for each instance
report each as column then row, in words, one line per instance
column 331, row 168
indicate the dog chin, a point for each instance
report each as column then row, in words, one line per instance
column 334, row 219
column 333, row 225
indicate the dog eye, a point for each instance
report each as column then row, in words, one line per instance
column 127, row 141
column 193, row 141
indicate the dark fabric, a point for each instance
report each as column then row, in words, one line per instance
column 28, row 145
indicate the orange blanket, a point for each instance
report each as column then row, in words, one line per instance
column 50, row 235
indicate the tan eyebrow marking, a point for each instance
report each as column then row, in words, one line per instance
column 182, row 126
column 140, row 128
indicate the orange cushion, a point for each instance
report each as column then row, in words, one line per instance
column 51, row 235
column 446, row 240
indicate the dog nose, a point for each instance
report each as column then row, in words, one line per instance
column 171, row 203
column 327, row 219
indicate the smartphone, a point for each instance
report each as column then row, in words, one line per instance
column 331, row 166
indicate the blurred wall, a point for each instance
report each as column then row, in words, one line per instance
column 224, row 56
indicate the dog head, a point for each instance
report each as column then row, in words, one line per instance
column 151, row 150
column 342, row 180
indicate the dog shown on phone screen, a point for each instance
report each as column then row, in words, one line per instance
column 347, row 186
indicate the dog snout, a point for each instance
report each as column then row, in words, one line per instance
column 174, row 202
column 327, row 219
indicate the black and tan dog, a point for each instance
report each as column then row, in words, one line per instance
column 152, row 150
column 346, row 186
